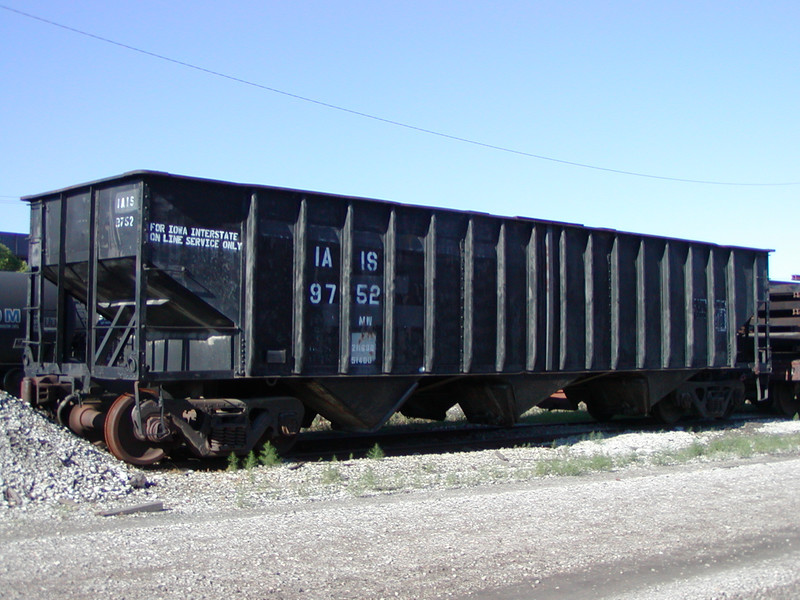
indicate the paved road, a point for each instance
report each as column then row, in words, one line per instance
column 716, row 531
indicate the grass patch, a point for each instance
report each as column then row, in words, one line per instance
column 574, row 465
column 368, row 481
column 745, row 446
column 691, row 452
column 732, row 445
column 727, row 446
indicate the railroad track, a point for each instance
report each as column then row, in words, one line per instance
column 405, row 440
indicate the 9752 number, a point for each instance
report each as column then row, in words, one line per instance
column 127, row 221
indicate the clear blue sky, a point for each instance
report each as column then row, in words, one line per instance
column 691, row 90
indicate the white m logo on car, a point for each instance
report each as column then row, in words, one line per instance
column 12, row 315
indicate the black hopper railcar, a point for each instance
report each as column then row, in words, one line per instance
column 221, row 315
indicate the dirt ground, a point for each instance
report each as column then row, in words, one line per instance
column 701, row 530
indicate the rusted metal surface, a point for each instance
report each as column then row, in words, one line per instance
column 120, row 435
column 86, row 419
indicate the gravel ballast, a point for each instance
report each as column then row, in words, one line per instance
column 43, row 463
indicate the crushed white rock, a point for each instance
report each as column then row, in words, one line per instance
column 42, row 462
column 642, row 444
column 781, row 427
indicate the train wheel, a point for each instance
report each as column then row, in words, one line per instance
column 667, row 411
column 783, row 398
column 732, row 406
column 120, row 437
column 283, row 443
column 599, row 412
column 12, row 382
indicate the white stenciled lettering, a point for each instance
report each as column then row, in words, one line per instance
column 177, row 230
column 369, row 261
column 204, row 242
column 368, row 294
column 215, row 234
column 195, row 237
column 125, row 202
column 318, row 293
column 323, row 257
column 363, row 348
column 121, row 222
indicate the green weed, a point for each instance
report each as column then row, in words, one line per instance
column 269, row 456
column 330, row 475
column 250, row 461
column 233, row 462
column 367, row 481
column 376, row 452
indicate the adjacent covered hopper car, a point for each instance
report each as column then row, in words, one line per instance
column 13, row 300
column 221, row 315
